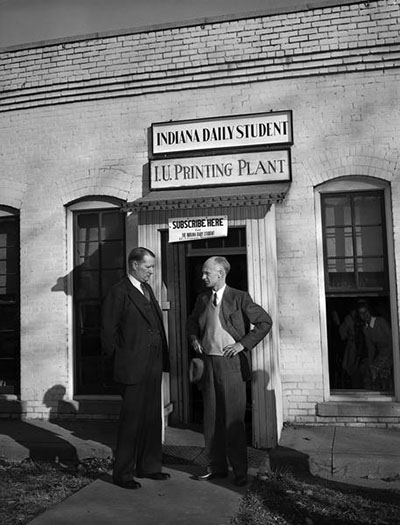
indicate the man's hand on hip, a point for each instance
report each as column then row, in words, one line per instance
column 232, row 350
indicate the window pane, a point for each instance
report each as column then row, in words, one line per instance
column 341, row 273
column 341, row 265
column 89, row 315
column 370, row 264
column 371, row 272
column 91, row 343
column 111, row 223
column 216, row 243
column 198, row 245
column 8, row 233
column 337, row 211
column 367, row 210
column 112, row 254
column 86, row 284
column 8, row 346
column 88, row 227
column 8, row 370
column 369, row 240
column 87, row 255
column 339, row 242
column 11, row 256
column 110, row 277
column 91, row 371
column 9, row 284
column 9, row 318
column 342, row 280
column 234, row 238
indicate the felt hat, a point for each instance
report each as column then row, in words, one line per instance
column 196, row 370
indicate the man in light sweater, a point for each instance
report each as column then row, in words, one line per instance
column 219, row 328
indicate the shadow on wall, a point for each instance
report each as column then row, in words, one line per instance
column 61, row 285
column 53, row 398
column 268, row 404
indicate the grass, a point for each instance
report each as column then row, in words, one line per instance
column 285, row 499
column 282, row 497
column 28, row 488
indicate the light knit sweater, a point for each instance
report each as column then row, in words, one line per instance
column 215, row 338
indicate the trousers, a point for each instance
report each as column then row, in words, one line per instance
column 224, row 400
column 139, row 446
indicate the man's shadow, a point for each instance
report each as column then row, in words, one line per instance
column 63, row 413
column 35, row 439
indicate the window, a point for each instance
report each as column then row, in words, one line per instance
column 99, row 262
column 9, row 303
column 356, row 269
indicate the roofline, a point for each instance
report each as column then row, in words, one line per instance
column 316, row 4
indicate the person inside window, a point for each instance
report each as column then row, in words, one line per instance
column 378, row 339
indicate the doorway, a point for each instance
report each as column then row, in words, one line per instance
column 185, row 261
column 237, row 278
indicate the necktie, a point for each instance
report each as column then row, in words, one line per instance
column 215, row 299
column 145, row 291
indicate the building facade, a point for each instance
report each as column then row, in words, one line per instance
column 82, row 182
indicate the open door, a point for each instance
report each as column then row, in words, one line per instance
column 185, row 261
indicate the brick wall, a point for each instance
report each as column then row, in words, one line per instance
column 361, row 36
column 74, row 123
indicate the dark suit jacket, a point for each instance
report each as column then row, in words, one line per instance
column 129, row 330
column 238, row 311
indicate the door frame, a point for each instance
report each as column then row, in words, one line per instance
column 262, row 275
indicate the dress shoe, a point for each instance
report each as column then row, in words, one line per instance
column 158, row 476
column 241, row 481
column 130, row 484
column 208, row 476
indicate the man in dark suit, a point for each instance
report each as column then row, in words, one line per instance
column 133, row 333
column 219, row 329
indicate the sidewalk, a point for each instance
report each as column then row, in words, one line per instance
column 367, row 457
column 361, row 457
column 179, row 501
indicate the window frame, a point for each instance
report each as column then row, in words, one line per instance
column 13, row 214
column 347, row 184
column 83, row 205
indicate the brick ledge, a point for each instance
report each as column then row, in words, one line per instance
column 364, row 409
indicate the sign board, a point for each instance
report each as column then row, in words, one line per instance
column 195, row 228
column 262, row 129
column 218, row 170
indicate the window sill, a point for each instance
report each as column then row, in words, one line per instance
column 362, row 408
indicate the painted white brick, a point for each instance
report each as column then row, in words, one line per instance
column 99, row 147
